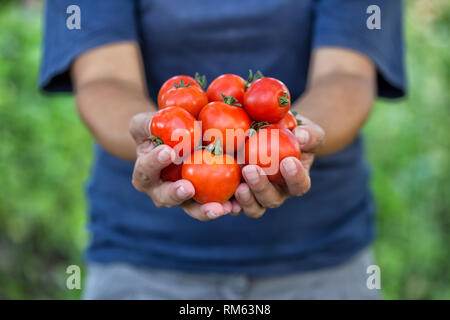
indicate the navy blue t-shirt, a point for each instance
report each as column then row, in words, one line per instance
column 332, row 222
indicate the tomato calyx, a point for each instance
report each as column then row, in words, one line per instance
column 230, row 100
column 260, row 125
column 201, row 80
column 283, row 100
column 253, row 77
column 258, row 75
column 214, row 148
column 256, row 126
column 181, row 84
column 156, row 140
column 295, row 113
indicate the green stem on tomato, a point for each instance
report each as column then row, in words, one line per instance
column 201, row 80
column 156, row 140
column 284, row 100
column 295, row 113
column 256, row 126
column 230, row 100
column 249, row 79
column 251, row 132
column 181, row 84
column 258, row 75
column 214, row 148
column 218, row 150
column 252, row 77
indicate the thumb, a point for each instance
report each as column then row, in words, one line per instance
column 139, row 127
column 144, row 148
column 309, row 135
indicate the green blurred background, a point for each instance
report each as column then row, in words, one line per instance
column 45, row 153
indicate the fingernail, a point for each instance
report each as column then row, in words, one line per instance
column 212, row 215
column 182, row 193
column 251, row 174
column 244, row 194
column 302, row 136
column 164, row 155
column 290, row 167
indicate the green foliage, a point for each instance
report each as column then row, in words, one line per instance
column 408, row 146
column 44, row 158
column 45, row 153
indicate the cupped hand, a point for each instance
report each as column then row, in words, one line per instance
column 147, row 170
column 258, row 193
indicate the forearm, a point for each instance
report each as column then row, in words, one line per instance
column 106, row 107
column 340, row 104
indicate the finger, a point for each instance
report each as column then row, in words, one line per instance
column 264, row 191
column 248, row 202
column 307, row 160
column 139, row 126
column 235, row 208
column 144, row 148
column 296, row 177
column 148, row 167
column 227, row 206
column 170, row 194
column 310, row 136
column 203, row 212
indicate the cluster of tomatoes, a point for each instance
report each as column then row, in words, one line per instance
column 253, row 110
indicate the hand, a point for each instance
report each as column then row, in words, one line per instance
column 258, row 193
column 146, row 175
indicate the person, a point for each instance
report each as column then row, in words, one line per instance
column 150, row 240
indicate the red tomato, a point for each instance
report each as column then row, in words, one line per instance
column 172, row 172
column 263, row 151
column 215, row 177
column 289, row 121
column 267, row 99
column 169, row 85
column 222, row 116
column 177, row 121
column 228, row 85
column 189, row 98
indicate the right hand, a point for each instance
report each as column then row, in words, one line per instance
column 146, row 176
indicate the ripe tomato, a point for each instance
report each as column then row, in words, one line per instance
column 222, row 116
column 188, row 97
column 215, row 177
column 267, row 99
column 178, row 122
column 169, row 85
column 289, row 121
column 228, row 85
column 262, row 150
column 172, row 172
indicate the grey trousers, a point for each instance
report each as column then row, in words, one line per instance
column 124, row 281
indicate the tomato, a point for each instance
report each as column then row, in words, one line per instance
column 289, row 121
column 222, row 116
column 188, row 96
column 215, row 177
column 175, row 120
column 267, row 99
column 172, row 172
column 228, row 85
column 260, row 149
column 192, row 99
column 169, row 85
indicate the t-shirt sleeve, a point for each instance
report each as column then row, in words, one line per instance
column 101, row 22
column 343, row 23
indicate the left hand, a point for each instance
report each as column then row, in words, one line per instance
column 258, row 193
column 147, row 175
